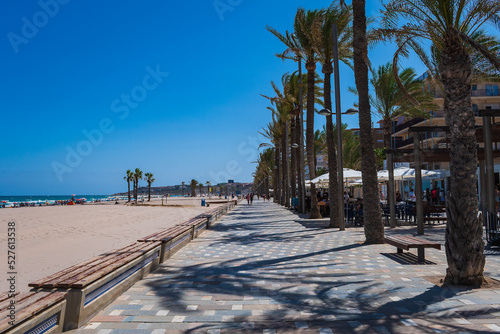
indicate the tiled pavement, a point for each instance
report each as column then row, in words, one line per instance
column 261, row 269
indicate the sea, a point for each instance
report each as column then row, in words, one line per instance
column 44, row 198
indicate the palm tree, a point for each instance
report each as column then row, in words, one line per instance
column 137, row 177
column 453, row 28
column 209, row 190
column 273, row 132
column 322, row 37
column 282, row 111
column 129, row 177
column 390, row 102
column 304, row 21
column 149, row 179
column 300, row 46
column 183, row 184
column 320, row 145
column 200, row 188
column 265, row 168
column 193, row 185
column 351, row 149
column 374, row 229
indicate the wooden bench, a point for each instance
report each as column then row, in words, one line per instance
column 433, row 213
column 32, row 312
column 97, row 282
column 407, row 242
column 171, row 240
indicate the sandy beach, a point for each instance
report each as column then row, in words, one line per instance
column 52, row 238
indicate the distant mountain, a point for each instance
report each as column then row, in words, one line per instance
column 237, row 188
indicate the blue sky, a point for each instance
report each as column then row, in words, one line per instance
column 91, row 89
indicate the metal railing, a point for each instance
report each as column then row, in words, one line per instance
column 474, row 93
column 492, row 227
column 402, row 143
column 407, row 124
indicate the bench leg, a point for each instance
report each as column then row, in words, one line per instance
column 421, row 255
column 400, row 250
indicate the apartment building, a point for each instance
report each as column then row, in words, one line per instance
column 484, row 95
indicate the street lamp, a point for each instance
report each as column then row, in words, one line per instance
column 340, row 163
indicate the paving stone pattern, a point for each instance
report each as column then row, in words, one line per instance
column 262, row 269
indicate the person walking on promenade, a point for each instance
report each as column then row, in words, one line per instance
column 434, row 196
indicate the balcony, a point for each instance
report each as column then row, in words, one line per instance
column 404, row 143
column 407, row 124
column 475, row 93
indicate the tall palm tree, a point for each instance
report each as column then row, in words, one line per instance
column 193, row 185
column 374, row 228
column 209, row 190
column 149, row 179
column 322, row 37
column 282, row 110
column 304, row 21
column 273, row 132
column 129, row 177
column 264, row 170
column 452, row 27
column 390, row 102
column 300, row 46
column 137, row 177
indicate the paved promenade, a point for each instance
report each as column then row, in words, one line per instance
column 261, row 269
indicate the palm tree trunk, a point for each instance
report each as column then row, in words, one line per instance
column 286, row 171
column 332, row 154
column 277, row 191
column 128, row 184
column 293, row 158
column 300, row 163
column 390, row 168
column 311, row 68
column 136, row 184
column 464, row 231
column 149, row 192
column 374, row 229
column 283, row 167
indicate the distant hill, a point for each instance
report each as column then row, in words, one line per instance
column 177, row 189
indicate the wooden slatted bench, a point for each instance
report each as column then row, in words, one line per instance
column 97, row 282
column 171, row 240
column 199, row 224
column 407, row 242
column 32, row 312
column 435, row 214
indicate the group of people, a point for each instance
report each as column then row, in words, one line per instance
column 250, row 197
column 434, row 196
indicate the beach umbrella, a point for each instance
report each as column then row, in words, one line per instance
column 404, row 173
column 354, row 182
column 349, row 174
column 320, row 179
